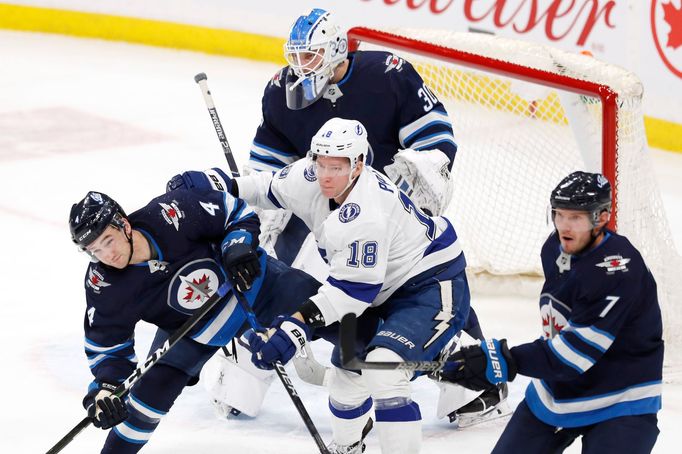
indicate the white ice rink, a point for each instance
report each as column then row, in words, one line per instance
column 77, row 115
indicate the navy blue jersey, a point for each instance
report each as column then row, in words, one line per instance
column 185, row 229
column 380, row 90
column 601, row 356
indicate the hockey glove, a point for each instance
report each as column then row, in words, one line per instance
column 104, row 408
column 240, row 261
column 213, row 179
column 288, row 338
column 478, row 366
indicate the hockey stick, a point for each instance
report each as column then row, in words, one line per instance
column 251, row 316
column 347, row 336
column 123, row 389
column 215, row 119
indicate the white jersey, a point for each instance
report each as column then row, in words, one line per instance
column 374, row 242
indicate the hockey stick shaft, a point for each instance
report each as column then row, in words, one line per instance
column 201, row 79
column 215, row 119
column 122, row 389
column 349, row 359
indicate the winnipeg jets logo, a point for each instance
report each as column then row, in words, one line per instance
column 197, row 289
column 96, row 281
column 172, row 214
column 553, row 320
column 394, row 62
column 614, row 263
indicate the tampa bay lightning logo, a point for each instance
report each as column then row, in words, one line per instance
column 193, row 284
column 348, row 212
column 309, row 173
column 284, row 172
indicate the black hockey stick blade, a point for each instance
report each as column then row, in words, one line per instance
column 349, row 359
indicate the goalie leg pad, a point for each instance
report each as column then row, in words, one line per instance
column 235, row 383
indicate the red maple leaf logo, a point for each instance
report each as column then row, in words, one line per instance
column 673, row 17
column 190, row 296
column 555, row 326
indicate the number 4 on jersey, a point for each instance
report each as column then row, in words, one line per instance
column 209, row 207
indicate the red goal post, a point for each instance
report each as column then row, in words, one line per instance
column 524, row 116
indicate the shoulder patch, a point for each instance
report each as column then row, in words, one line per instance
column 614, row 263
column 394, row 62
column 96, row 281
column 172, row 214
column 348, row 212
column 284, row 172
column 277, row 78
column 309, row 173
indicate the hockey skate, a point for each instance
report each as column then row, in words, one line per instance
column 356, row 448
column 492, row 404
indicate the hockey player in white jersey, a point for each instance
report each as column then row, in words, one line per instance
column 388, row 261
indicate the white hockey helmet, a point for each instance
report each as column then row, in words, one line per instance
column 315, row 47
column 341, row 138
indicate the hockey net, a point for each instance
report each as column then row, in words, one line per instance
column 525, row 115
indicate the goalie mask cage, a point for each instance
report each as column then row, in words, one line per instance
column 524, row 116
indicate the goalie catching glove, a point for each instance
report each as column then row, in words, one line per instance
column 104, row 407
column 478, row 367
column 288, row 336
column 424, row 176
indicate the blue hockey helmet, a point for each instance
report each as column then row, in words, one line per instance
column 90, row 217
column 315, row 47
column 583, row 191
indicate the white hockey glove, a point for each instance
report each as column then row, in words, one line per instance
column 424, row 177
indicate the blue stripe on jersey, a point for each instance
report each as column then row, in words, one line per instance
column 412, row 136
column 444, row 240
column 569, row 355
column 132, row 434
column 358, row 290
column 434, row 118
column 147, row 411
column 267, row 160
column 599, row 339
column 409, row 412
column 94, row 347
column 349, row 72
column 641, row 399
column 351, row 413
column 153, row 242
column 429, row 141
column 265, row 148
column 272, row 197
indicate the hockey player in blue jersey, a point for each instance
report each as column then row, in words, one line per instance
column 597, row 369
column 159, row 265
column 411, row 141
column 389, row 261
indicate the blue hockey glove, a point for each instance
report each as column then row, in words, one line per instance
column 104, row 408
column 478, row 367
column 288, row 338
column 240, row 260
column 211, row 179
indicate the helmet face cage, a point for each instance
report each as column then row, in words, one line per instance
column 316, row 45
column 583, row 191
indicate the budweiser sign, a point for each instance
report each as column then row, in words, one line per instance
column 557, row 18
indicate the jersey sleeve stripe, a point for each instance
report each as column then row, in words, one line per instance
column 269, row 160
column 435, row 117
column 213, row 327
column 145, row 409
column 357, row 290
column 133, row 434
column 429, row 141
column 93, row 347
column 592, row 337
column 272, row 198
column 569, row 355
column 260, row 148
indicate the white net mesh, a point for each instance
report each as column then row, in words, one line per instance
column 518, row 139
